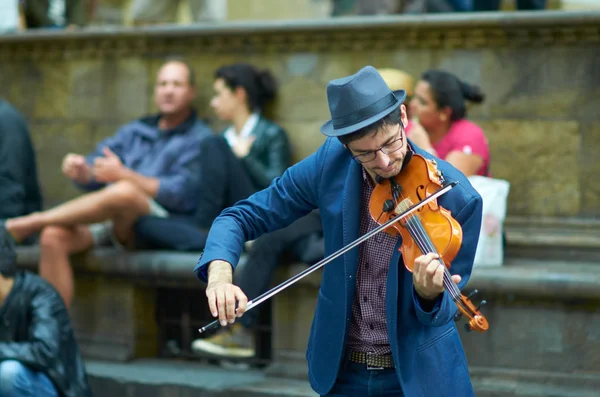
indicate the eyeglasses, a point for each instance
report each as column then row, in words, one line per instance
column 387, row 149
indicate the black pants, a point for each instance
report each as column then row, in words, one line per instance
column 301, row 241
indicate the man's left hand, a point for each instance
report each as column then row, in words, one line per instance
column 428, row 276
column 109, row 168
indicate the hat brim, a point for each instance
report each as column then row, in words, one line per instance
column 328, row 129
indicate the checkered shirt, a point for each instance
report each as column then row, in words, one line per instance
column 368, row 329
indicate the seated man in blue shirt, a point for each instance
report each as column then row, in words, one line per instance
column 151, row 166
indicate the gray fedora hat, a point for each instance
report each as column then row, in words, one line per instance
column 359, row 100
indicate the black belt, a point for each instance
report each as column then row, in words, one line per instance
column 373, row 361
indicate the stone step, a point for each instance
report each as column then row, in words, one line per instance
column 494, row 382
column 157, row 378
column 574, row 239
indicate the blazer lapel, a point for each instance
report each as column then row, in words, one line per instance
column 351, row 207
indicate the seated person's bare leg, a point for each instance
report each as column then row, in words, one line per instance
column 108, row 203
column 57, row 243
column 123, row 201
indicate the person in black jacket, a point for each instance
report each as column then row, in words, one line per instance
column 19, row 189
column 241, row 93
column 39, row 355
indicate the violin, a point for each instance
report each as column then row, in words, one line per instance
column 430, row 229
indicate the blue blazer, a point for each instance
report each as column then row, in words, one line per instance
column 427, row 351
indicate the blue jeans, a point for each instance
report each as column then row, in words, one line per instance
column 17, row 380
column 354, row 380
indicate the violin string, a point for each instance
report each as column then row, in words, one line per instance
column 420, row 236
column 426, row 246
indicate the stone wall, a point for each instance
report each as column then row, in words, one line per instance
column 539, row 70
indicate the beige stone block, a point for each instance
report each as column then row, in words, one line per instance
column 109, row 89
column 114, row 320
column 277, row 9
column 17, row 87
column 302, row 99
column 103, row 131
column 341, row 64
column 536, row 83
column 52, row 91
column 305, row 138
column 590, row 168
column 413, row 61
column 52, row 141
column 540, row 159
column 39, row 90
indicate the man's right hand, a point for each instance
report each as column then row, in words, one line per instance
column 222, row 294
column 75, row 167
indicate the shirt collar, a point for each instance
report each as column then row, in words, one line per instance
column 231, row 135
column 152, row 123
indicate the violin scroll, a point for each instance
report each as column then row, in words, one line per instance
column 477, row 321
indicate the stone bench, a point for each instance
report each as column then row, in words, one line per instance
column 115, row 305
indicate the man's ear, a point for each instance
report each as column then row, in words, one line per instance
column 403, row 115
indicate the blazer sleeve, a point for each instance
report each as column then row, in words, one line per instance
column 444, row 307
column 288, row 198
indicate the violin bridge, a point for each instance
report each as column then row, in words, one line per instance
column 402, row 206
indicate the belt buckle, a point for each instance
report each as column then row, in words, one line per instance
column 369, row 366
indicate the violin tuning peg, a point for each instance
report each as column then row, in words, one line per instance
column 482, row 303
column 457, row 316
column 472, row 294
column 467, row 328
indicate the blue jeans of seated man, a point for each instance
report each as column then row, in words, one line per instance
column 17, row 380
column 354, row 380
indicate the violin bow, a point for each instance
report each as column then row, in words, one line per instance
column 275, row 290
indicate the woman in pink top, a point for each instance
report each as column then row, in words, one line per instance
column 438, row 108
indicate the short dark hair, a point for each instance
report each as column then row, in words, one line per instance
column 260, row 85
column 191, row 72
column 8, row 255
column 394, row 118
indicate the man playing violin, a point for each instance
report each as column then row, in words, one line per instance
column 378, row 329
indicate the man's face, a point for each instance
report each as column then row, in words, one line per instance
column 392, row 140
column 173, row 93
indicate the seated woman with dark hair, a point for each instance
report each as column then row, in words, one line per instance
column 439, row 123
column 241, row 94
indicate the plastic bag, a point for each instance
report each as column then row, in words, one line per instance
column 494, row 192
